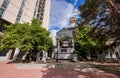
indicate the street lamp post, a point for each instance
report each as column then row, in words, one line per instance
column 57, row 49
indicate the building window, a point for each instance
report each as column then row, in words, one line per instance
column 65, row 43
column 40, row 10
column 63, row 50
column 3, row 7
column 5, row 3
column 1, row 11
column 20, row 11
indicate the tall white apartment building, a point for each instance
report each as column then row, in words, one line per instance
column 21, row 11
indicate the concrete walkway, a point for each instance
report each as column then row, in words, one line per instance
column 3, row 58
column 40, row 71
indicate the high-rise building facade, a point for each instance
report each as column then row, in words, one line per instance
column 43, row 12
column 17, row 10
column 21, row 11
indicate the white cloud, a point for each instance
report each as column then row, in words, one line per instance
column 53, row 35
column 61, row 11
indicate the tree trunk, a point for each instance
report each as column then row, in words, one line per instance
column 98, row 56
column 38, row 56
column 45, row 55
column 112, row 4
column 25, row 56
column 9, row 53
column 111, row 54
column 17, row 50
column 108, row 56
column 89, row 56
column 29, row 55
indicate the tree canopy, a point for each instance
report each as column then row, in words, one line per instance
column 98, row 23
column 85, row 43
column 102, row 14
column 26, row 36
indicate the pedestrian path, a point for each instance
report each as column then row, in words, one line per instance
column 3, row 58
column 10, row 71
column 49, row 70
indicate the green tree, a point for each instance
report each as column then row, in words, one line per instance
column 15, row 36
column 27, row 37
column 102, row 14
column 85, row 43
column 51, row 47
column 40, row 36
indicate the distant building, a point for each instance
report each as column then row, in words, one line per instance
column 21, row 11
column 65, row 41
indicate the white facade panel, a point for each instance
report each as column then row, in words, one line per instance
column 1, row 1
column 13, row 8
column 12, row 11
column 28, row 12
column 26, row 15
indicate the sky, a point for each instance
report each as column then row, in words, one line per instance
column 61, row 11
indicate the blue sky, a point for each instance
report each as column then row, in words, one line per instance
column 61, row 11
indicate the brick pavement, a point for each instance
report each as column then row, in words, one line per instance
column 10, row 71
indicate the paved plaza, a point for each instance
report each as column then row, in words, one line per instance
column 58, row 70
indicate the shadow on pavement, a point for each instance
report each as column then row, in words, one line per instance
column 110, row 70
column 66, row 73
